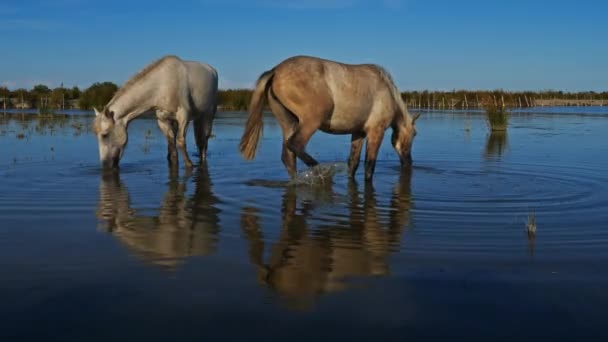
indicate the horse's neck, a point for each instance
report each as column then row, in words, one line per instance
column 401, row 114
column 134, row 102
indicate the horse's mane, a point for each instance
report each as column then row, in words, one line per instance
column 141, row 74
column 388, row 79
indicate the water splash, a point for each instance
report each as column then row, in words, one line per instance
column 319, row 174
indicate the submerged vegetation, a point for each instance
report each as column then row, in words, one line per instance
column 25, row 125
column 98, row 94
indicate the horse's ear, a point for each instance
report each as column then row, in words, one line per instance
column 97, row 113
column 416, row 116
column 109, row 114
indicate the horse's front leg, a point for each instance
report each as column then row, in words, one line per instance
column 168, row 130
column 374, row 139
column 356, row 145
column 182, row 119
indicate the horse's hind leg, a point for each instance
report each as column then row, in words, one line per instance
column 169, row 130
column 201, row 133
column 182, row 127
column 298, row 140
column 309, row 118
column 204, row 124
column 287, row 121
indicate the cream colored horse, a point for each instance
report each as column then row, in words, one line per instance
column 308, row 93
column 178, row 91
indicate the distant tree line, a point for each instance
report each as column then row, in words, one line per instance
column 42, row 97
column 99, row 94
column 475, row 99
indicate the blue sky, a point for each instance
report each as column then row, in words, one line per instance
column 430, row 44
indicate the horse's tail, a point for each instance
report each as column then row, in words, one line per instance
column 254, row 125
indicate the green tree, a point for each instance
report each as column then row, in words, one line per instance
column 58, row 97
column 74, row 93
column 21, row 94
column 97, row 95
column 39, row 95
column 5, row 94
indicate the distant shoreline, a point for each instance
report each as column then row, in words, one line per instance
column 99, row 94
column 541, row 105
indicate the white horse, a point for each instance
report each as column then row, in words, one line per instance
column 178, row 91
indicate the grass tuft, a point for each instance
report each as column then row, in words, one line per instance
column 496, row 113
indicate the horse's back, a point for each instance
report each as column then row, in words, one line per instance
column 361, row 81
column 300, row 85
column 350, row 92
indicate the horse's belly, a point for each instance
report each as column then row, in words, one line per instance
column 342, row 124
column 165, row 115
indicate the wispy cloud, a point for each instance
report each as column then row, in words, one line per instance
column 8, row 10
column 29, row 24
column 393, row 3
column 309, row 4
column 329, row 4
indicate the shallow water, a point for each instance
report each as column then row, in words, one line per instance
column 234, row 250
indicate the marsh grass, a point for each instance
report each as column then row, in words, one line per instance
column 497, row 114
column 498, row 119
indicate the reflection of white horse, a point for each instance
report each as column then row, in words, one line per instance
column 179, row 91
column 185, row 226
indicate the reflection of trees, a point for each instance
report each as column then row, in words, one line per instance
column 185, row 225
column 496, row 144
column 29, row 123
column 307, row 261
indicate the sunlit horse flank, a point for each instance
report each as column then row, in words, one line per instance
column 178, row 91
column 308, row 93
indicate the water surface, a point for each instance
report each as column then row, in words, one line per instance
column 231, row 250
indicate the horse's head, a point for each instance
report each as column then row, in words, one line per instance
column 402, row 139
column 111, row 136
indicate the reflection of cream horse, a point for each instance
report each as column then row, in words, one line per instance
column 184, row 226
column 306, row 261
